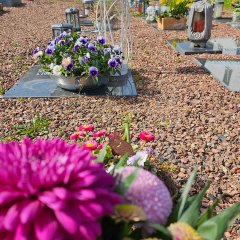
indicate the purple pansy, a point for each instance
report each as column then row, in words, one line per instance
column 91, row 47
column 101, row 40
column 112, row 63
column 36, row 50
column 107, row 51
column 61, row 42
column 86, row 58
column 119, row 60
column 93, row 72
column 69, row 67
column 83, row 40
column 49, row 51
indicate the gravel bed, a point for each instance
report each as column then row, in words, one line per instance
column 203, row 116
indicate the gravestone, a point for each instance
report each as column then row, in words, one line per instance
column 228, row 46
column 185, row 47
column 10, row 3
column 37, row 84
column 227, row 72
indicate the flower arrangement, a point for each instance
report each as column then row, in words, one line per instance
column 175, row 8
column 72, row 55
column 236, row 6
column 50, row 189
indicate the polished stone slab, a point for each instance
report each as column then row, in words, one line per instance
column 11, row 3
column 223, row 20
column 227, row 72
column 36, row 84
column 229, row 46
column 184, row 47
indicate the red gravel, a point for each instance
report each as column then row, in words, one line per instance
column 204, row 116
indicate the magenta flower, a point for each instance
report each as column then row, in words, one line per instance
column 148, row 192
column 146, row 136
column 86, row 128
column 90, row 145
column 99, row 133
column 52, row 190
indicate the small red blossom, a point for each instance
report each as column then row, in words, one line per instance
column 90, row 145
column 101, row 146
column 99, row 133
column 86, row 128
column 146, row 136
column 74, row 136
column 111, row 135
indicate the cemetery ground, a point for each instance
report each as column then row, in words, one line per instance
column 195, row 119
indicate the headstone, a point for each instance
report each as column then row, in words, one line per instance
column 10, row 3
column 185, row 47
column 227, row 72
column 230, row 46
column 38, row 84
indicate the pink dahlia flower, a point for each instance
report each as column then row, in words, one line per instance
column 86, row 128
column 148, row 192
column 146, row 136
column 52, row 190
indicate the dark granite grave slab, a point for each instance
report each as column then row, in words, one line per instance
column 11, row 3
column 184, row 47
column 34, row 84
column 223, row 20
column 227, row 72
column 230, row 46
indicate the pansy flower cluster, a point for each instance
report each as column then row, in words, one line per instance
column 74, row 55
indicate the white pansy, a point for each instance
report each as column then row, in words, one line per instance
column 38, row 54
column 57, row 70
column 51, row 66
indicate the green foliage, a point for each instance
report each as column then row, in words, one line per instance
column 214, row 228
column 1, row 90
column 37, row 125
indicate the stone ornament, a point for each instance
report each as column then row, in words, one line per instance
column 200, row 23
column 151, row 13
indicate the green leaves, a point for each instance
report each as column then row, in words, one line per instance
column 214, row 228
column 192, row 213
column 122, row 162
column 101, row 155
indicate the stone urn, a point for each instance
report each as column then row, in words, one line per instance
column 200, row 23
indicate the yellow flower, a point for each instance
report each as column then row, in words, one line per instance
column 183, row 231
column 163, row 2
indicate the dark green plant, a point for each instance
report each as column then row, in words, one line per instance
column 37, row 125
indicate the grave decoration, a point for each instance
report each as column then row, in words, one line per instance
column 200, row 23
column 87, row 4
column 218, row 9
column 198, row 32
column 59, row 28
column 236, row 14
column 72, row 17
column 174, row 16
column 80, row 61
column 67, row 193
column 151, row 14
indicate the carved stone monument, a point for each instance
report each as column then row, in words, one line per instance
column 200, row 23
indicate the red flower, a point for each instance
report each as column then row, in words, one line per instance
column 146, row 136
column 100, row 146
column 86, row 128
column 99, row 134
column 76, row 135
column 111, row 135
column 90, row 145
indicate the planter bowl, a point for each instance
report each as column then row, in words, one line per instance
column 169, row 23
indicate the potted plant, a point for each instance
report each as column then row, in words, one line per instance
column 236, row 11
column 74, row 59
column 174, row 16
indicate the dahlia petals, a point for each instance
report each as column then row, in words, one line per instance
column 12, row 218
column 30, row 212
column 69, row 220
column 61, row 193
column 7, row 196
column 47, row 228
column 22, row 232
